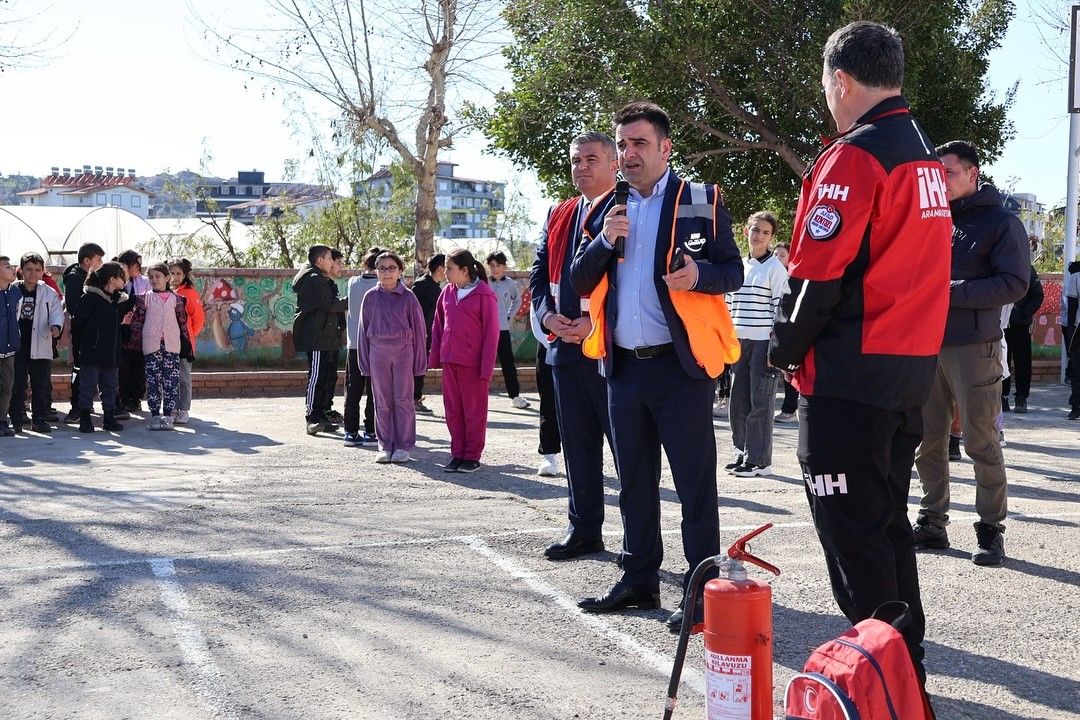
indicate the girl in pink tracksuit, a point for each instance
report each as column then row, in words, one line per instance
column 391, row 350
column 464, row 341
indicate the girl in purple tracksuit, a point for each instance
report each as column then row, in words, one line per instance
column 392, row 351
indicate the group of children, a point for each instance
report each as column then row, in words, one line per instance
column 391, row 343
column 130, row 335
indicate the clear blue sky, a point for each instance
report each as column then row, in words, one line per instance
column 134, row 88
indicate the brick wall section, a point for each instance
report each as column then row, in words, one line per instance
column 285, row 383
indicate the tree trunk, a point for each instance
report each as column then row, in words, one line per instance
column 427, row 216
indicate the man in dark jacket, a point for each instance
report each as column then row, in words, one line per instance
column 90, row 256
column 1018, row 344
column 427, row 290
column 316, row 331
column 990, row 268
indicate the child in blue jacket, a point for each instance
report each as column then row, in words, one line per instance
column 9, row 339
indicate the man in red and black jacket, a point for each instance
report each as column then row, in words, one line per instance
column 862, row 324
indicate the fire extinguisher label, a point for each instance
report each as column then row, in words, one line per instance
column 728, row 681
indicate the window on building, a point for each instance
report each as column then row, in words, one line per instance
column 117, row 199
column 444, row 185
column 232, row 190
column 100, row 199
column 136, row 201
column 250, row 190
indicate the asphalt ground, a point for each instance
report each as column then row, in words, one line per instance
column 238, row 568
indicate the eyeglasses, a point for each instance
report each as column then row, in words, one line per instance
column 386, row 268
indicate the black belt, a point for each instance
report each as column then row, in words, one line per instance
column 646, row 352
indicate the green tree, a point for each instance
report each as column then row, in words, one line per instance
column 741, row 80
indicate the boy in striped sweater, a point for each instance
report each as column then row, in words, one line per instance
column 753, row 383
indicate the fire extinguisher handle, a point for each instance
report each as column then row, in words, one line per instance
column 738, row 551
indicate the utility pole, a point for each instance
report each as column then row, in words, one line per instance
column 1071, row 195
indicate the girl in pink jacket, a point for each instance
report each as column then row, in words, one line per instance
column 464, row 341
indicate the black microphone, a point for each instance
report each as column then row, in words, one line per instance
column 622, row 196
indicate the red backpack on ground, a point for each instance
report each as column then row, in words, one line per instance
column 865, row 674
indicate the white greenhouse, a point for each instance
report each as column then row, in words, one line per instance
column 57, row 232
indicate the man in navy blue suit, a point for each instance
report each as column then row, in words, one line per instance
column 660, row 383
column 580, row 391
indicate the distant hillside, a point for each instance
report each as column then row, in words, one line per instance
column 174, row 192
column 16, row 184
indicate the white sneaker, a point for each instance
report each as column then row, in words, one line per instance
column 549, row 467
column 519, row 402
column 719, row 408
column 182, row 417
column 155, row 422
column 400, row 456
column 166, row 423
column 783, row 417
column 383, row 457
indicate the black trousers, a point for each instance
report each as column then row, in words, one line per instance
column 39, row 373
column 356, row 387
column 583, row 417
column 550, row 443
column 322, row 383
column 131, row 377
column 652, row 404
column 94, row 378
column 1018, row 344
column 74, row 372
column 856, row 462
column 506, row 361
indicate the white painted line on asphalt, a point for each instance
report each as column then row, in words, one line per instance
column 208, row 681
column 662, row 664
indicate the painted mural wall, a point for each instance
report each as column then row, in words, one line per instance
column 249, row 317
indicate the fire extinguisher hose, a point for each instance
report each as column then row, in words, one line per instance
column 689, row 603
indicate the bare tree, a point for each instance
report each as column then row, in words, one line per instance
column 383, row 66
column 19, row 49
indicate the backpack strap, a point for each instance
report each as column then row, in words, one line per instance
column 850, row 711
column 895, row 612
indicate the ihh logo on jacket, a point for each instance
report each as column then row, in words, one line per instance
column 933, row 200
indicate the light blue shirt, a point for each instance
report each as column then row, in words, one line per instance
column 640, row 320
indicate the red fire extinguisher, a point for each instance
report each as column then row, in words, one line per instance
column 738, row 637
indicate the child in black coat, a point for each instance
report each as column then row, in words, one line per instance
column 97, row 326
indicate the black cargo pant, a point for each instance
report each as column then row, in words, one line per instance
column 506, row 361
column 856, row 462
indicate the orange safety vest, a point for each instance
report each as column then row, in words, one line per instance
column 713, row 342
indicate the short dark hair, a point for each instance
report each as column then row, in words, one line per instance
column 31, row 257
column 5, row 258
column 464, row 259
column 962, row 149
column 499, row 258
column 106, row 272
column 129, row 257
column 317, row 251
column 642, row 110
column 336, row 254
column 435, row 262
column 870, row 52
column 90, row 250
column 765, row 216
column 595, row 137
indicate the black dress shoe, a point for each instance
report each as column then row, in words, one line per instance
column 573, row 546
column 620, row 597
column 674, row 623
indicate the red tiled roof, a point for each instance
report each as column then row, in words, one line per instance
column 38, row 191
